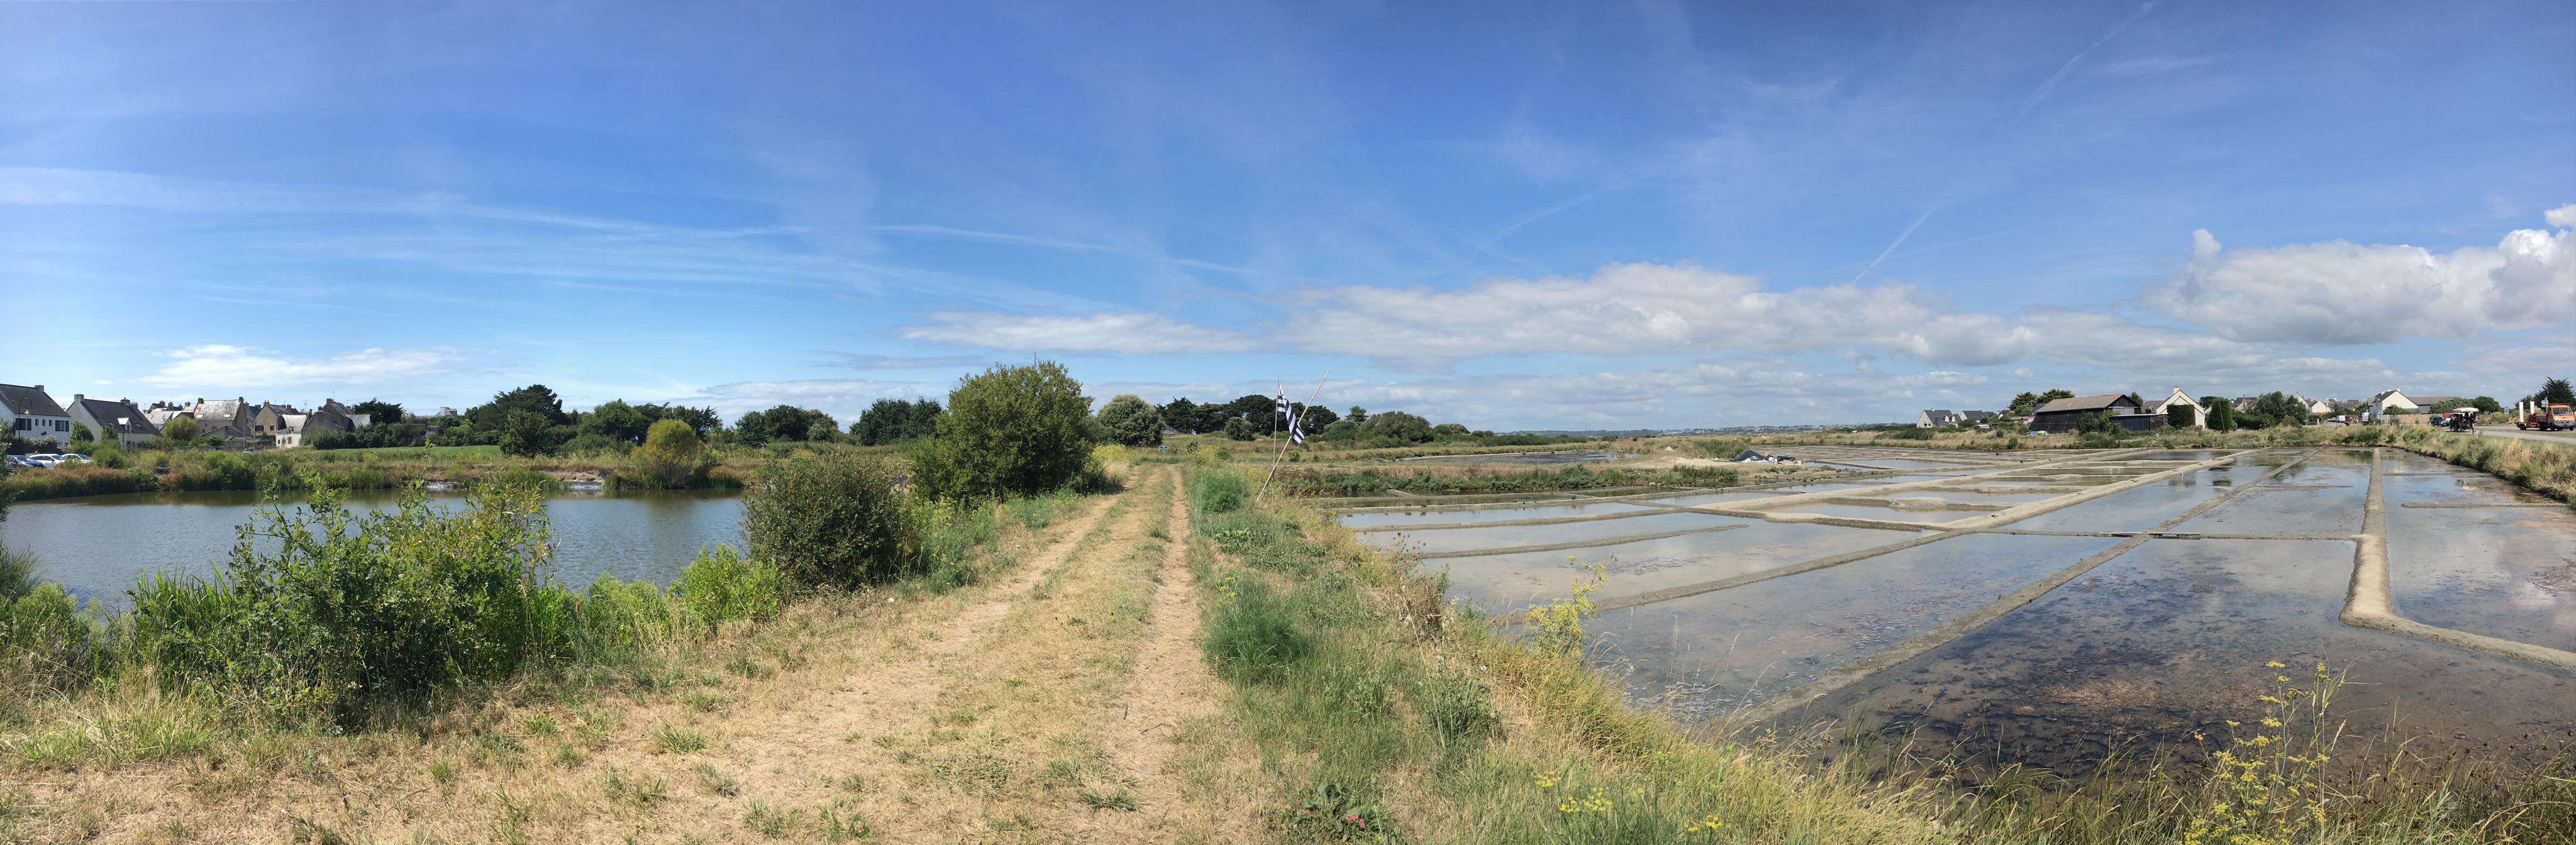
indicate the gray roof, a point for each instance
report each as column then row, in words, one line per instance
column 2083, row 403
column 109, row 413
column 29, row 401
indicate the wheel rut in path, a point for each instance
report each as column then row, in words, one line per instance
column 1170, row 686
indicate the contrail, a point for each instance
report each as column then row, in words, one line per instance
column 2051, row 84
column 1891, row 246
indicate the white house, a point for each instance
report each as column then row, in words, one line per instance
column 116, row 422
column 1936, row 419
column 2379, row 404
column 2179, row 399
column 32, row 415
column 2316, row 407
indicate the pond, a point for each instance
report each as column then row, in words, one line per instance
column 98, row 545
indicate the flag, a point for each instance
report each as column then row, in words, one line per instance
column 1296, row 435
column 1283, row 404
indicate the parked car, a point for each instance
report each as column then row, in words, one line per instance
column 20, row 461
column 71, row 458
column 43, row 460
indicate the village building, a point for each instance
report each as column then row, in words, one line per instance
column 32, row 415
column 117, row 422
column 2062, row 415
column 2178, row 399
column 2379, row 404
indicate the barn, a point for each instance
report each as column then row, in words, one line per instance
column 2060, row 416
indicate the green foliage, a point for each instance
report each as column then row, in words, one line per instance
column 525, row 433
column 2555, row 391
column 1217, row 492
column 1010, row 430
column 2095, row 423
column 2028, row 403
column 82, row 438
column 1128, row 421
column 671, row 455
column 1722, row 448
column 834, row 520
column 2222, row 413
column 2180, row 416
column 1251, row 636
column 333, row 611
column 614, row 420
column 45, row 639
column 1398, row 426
column 1458, row 709
column 1238, row 428
column 891, row 421
column 535, row 398
column 721, row 586
column 785, row 422
column 180, row 428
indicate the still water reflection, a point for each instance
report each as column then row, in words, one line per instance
column 98, row 545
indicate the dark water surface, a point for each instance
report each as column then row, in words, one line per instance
column 98, row 545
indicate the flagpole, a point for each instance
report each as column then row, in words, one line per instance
column 1295, row 423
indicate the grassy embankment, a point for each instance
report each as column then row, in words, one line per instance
column 117, row 470
column 1381, row 708
column 389, row 648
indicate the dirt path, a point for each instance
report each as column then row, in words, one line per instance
column 1170, row 688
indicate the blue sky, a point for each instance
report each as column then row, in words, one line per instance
column 1532, row 216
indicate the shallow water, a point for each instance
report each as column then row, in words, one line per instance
column 2502, row 572
column 1503, row 582
column 1714, row 651
column 1461, row 539
column 98, row 545
column 2171, row 638
column 1366, row 520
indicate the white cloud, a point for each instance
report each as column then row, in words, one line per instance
column 222, row 368
column 2345, row 293
column 1100, row 332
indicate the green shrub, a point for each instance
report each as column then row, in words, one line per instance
column 1217, row 492
column 335, row 611
column 834, row 520
column 45, row 639
column 623, row 617
column 721, row 586
column 671, row 455
column 1007, row 431
column 1252, row 636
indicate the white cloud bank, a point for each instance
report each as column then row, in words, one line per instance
column 224, row 368
column 2346, row 293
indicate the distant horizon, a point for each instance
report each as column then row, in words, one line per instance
column 1558, row 217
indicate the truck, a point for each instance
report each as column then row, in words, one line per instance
column 2551, row 418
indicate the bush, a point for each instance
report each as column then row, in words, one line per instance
column 351, row 610
column 1128, row 421
column 1217, row 492
column 671, row 455
column 833, row 521
column 721, row 586
column 44, row 638
column 1007, row 431
column 1251, row 637
column 1399, row 426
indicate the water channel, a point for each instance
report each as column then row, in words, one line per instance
column 98, row 545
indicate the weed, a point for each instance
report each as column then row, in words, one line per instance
column 841, row 823
column 539, row 725
column 1116, row 799
column 717, row 782
column 771, row 822
column 640, row 792
column 673, row 740
column 1250, row 636
column 703, row 702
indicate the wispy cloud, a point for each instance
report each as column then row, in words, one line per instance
column 2041, row 93
column 1892, row 245
column 221, row 367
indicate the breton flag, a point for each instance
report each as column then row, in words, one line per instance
column 1294, row 436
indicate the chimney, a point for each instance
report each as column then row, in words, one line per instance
column 77, row 397
column 40, row 388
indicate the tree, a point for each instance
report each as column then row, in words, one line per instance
column 752, row 429
column 2178, row 415
column 1318, row 417
column 1399, row 426
column 1357, row 416
column 2555, row 392
column 895, row 421
column 1130, row 422
column 524, row 433
column 380, row 412
column 1449, row 430
column 81, row 436
column 537, row 398
column 182, row 428
column 1181, row 413
column 2487, row 404
column 2277, row 408
column 1008, row 430
column 2027, row 404
column 1238, row 428
column 2097, row 423
column 785, row 422
column 616, row 421
column 704, row 421
column 671, row 455
column 2222, row 414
